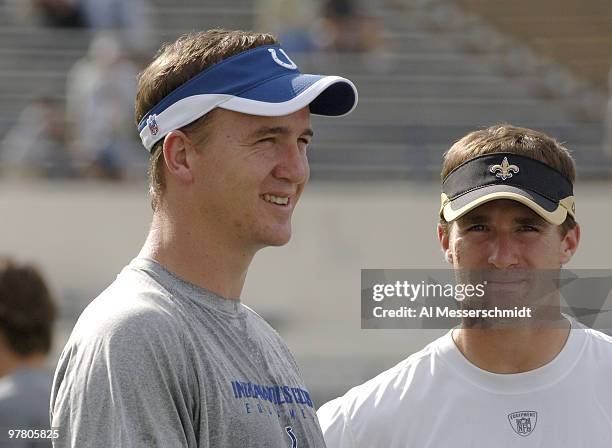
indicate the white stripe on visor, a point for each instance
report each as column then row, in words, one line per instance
column 178, row 115
column 263, row 81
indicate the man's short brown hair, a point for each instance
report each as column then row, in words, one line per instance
column 513, row 139
column 27, row 311
column 175, row 64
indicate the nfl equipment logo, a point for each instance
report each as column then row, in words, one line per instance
column 152, row 124
column 523, row 422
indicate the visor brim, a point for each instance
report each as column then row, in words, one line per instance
column 551, row 211
column 326, row 95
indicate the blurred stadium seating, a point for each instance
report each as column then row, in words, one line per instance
column 572, row 32
column 449, row 71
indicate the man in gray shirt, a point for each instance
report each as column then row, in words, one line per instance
column 167, row 355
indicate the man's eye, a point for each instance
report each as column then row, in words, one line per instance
column 266, row 140
column 477, row 228
column 529, row 229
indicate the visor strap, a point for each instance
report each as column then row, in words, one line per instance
column 569, row 203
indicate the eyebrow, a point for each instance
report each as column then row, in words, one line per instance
column 282, row 130
column 471, row 219
column 531, row 221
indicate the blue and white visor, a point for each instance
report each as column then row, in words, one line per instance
column 263, row 81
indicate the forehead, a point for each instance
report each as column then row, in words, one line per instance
column 245, row 124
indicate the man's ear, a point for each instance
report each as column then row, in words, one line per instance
column 444, row 239
column 569, row 244
column 176, row 148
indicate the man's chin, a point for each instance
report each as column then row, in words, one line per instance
column 277, row 238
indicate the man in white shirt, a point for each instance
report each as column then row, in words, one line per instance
column 508, row 211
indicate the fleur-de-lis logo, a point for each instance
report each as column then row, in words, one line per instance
column 505, row 170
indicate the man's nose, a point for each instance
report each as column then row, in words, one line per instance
column 503, row 251
column 293, row 165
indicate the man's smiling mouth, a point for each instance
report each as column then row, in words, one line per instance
column 278, row 200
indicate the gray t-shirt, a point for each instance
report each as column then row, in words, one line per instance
column 155, row 361
column 24, row 405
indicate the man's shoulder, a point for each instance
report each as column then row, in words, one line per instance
column 385, row 391
column 601, row 338
column 132, row 305
column 261, row 323
column 269, row 336
column 123, row 330
column 600, row 347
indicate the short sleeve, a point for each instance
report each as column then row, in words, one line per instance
column 124, row 382
column 334, row 425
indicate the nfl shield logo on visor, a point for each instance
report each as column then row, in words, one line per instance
column 152, row 124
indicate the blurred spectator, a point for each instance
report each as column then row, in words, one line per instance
column 129, row 17
column 55, row 13
column 351, row 28
column 36, row 145
column 60, row 13
column 27, row 314
column 291, row 21
column 100, row 94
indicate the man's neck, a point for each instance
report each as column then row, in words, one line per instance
column 10, row 361
column 195, row 254
column 513, row 350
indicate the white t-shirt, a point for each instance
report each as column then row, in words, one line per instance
column 437, row 398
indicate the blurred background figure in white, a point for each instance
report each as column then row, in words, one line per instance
column 100, row 92
column 128, row 17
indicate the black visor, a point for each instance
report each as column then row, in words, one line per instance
column 507, row 176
